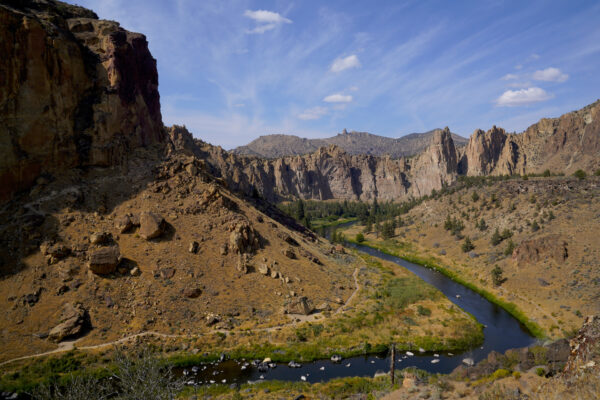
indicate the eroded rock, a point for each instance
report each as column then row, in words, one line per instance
column 73, row 319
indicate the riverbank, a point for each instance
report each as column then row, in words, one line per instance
column 398, row 250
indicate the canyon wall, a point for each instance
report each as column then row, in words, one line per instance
column 75, row 91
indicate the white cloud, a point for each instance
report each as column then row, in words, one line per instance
column 534, row 56
column 338, row 98
column 341, row 64
column 522, row 97
column 267, row 20
column 313, row 113
column 509, row 77
column 550, row 75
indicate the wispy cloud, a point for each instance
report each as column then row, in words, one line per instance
column 313, row 113
column 341, row 64
column 512, row 98
column 550, row 75
column 510, row 77
column 338, row 98
column 266, row 20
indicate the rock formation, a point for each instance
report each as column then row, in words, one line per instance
column 562, row 144
column 329, row 173
column 76, row 91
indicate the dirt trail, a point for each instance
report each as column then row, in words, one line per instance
column 70, row 345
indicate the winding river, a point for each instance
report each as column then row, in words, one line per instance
column 502, row 332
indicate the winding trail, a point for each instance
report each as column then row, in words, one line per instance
column 70, row 345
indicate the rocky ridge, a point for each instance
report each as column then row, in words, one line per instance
column 275, row 146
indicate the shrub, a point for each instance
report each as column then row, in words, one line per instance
column 475, row 197
column 497, row 276
column 467, row 245
column 597, row 172
column 546, row 173
column 535, row 226
column 540, row 371
column 580, row 174
column 424, row 311
column 360, row 237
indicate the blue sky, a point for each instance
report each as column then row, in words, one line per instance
column 234, row 70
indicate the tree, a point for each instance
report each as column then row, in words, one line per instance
column 475, row 197
column 580, row 174
column 510, row 247
column 300, row 210
column 387, row 231
column 496, row 238
column 360, row 237
column 467, row 245
column 368, row 227
column 482, row 225
column 497, row 275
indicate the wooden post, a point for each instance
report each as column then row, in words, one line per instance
column 392, row 362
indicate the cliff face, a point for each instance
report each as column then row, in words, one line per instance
column 74, row 91
column 562, row 144
column 330, row 173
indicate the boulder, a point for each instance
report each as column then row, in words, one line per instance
column 263, row 269
column 55, row 252
column 151, row 225
column 100, row 238
column 104, row 260
column 300, row 305
column 72, row 322
column 123, row 223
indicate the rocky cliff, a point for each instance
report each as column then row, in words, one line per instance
column 562, row 144
column 330, row 172
column 75, row 91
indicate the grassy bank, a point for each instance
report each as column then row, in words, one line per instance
column 321, row 223
column 431, row 262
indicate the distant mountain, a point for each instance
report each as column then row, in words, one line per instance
column 273, row 146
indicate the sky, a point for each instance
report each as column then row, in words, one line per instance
column 235, row 70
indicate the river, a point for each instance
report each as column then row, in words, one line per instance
column 502, row 332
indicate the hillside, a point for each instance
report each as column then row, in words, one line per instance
column 355, row 143
column 541, row 233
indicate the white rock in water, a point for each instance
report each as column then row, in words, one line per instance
column 303, row 378
column 435, row 361
column 409, row 353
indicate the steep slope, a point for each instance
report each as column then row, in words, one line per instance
column 108, row 230
column 77, row 91
column 273, row 146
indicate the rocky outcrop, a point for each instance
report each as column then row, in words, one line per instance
column 535, row 250
column 75, row 91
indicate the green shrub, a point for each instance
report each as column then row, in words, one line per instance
column 540, row 371
column 580, row 174
column 497, row 275
column 360, row 237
